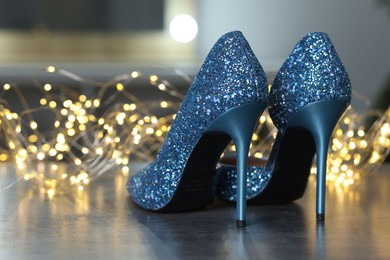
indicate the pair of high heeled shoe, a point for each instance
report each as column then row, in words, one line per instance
column 310, row 93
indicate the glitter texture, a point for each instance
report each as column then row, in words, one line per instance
column 230, row 76
column 313, row 72
column 257, row 179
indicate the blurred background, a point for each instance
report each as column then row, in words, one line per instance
column 101, row 39
column 137, row 59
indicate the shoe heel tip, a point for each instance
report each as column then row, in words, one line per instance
column 320, row 218
column 241, row 223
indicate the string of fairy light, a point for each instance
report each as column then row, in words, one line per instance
column 89, row 135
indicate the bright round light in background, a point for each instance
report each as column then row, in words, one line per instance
column 183, row 28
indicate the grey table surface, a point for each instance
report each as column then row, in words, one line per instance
column 103, row 223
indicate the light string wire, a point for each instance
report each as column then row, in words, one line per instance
column 89, row 136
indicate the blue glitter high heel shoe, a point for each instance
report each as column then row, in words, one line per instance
column 224, row 102
column 310, row 93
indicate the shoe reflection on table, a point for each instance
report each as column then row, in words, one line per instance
column 102, row 222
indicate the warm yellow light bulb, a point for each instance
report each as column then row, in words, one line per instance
column 374, row 157
column 99, row 150
column 162, row 87
column 258, row 155
column 88, row 103
column 71, row 132
column 82, row 98
column 61, row 138
column 47, row 87
column 33, row 125
column 46, row 147
column 6, row 86
column 96, row 103
column 67, row 103
column 3, row 157
column 119, row 86
column 51, row 193
column 154, row 120
column 43, row 101
column 149, row 130
column 40, row 156
column 52, row 152
column 50, row 69
column 52, row 104
column 71, row 118
column 77, row 161
column 125, row 170
column 153, row 78
column 64, row 111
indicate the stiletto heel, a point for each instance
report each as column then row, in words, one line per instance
column 310, row 93
column 319, row 119
column 239, row 123
column 223, row 103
